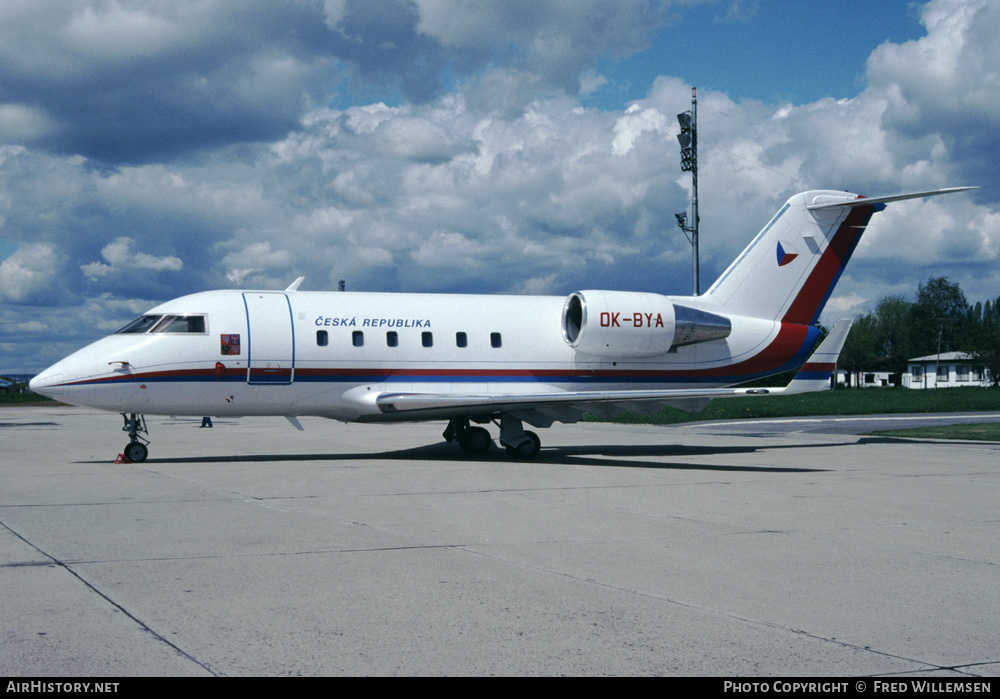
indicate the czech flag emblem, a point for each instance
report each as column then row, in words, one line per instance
column 784, row 256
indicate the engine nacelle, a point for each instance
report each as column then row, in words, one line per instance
column 635, row 324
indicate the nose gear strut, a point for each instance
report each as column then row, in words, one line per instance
column 135, row 451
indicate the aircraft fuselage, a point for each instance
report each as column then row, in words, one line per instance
column 330, row 353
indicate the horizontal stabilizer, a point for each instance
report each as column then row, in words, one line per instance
column 825, row 203
column 815, row 374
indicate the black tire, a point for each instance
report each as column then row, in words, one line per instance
column 136, row 452
column 475, row 440
column 528, row 450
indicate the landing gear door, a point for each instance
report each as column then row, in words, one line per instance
column 272, row 345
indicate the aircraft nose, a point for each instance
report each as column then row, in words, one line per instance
column 45, row 382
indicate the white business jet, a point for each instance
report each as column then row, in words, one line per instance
column 377, row 357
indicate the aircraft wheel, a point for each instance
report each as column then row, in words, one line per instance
column 475, row 440
column 528, row 450
column 136, row 452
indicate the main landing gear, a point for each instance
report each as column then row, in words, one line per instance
column 473, row 440
column 519, row 443
column 135, row 451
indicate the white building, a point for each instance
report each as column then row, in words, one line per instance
column 865, row 379
column 946, row 370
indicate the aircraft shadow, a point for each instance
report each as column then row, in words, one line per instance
column 616, row 456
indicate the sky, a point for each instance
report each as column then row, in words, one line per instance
column 151, row 149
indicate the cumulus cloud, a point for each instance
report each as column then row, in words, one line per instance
column 845, row 305
column 556, row 39
column 901, row 133
column 240, row 264
column 147, row 81
column 631, row 125
column 945, row 87
column 41, row 334
column 120, row 258
column 27, row 275
column 128, row 83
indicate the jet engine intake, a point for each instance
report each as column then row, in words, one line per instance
column 635, row 324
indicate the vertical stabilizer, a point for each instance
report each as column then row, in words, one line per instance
column 789, row 270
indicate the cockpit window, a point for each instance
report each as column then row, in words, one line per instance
column 180, row 324
column 140, row 325
column 193, row 324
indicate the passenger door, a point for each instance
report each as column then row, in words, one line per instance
column 271, row 359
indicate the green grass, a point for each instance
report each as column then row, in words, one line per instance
column 868, row 401
column 29, row 398
column 985, row 432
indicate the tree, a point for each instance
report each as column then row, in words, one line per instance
column 892, row 314
column 938, row 318
column 861, row 349
column 981, row 338
column 880, row 340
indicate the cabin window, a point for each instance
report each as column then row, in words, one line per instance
column 358, row 338
column 461, row 340
column 322, row 338
column 427, row 339
column 496, row 340
column 392, row 339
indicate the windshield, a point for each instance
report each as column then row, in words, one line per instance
column 139, row 325
column 191, row 324
column 181, row 324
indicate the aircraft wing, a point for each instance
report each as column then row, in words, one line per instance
column 541, row 409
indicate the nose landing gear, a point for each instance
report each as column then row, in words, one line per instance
column 135, row 451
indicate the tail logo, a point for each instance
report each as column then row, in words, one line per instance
column 785, row 256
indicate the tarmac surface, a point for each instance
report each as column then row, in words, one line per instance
column 763, row 548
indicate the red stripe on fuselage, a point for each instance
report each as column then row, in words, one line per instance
column 783, row 348
column 788, row 343
column 808, row 303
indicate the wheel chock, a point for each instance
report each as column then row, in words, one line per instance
column 122, row 459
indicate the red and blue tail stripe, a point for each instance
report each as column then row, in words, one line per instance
column 812, row 297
